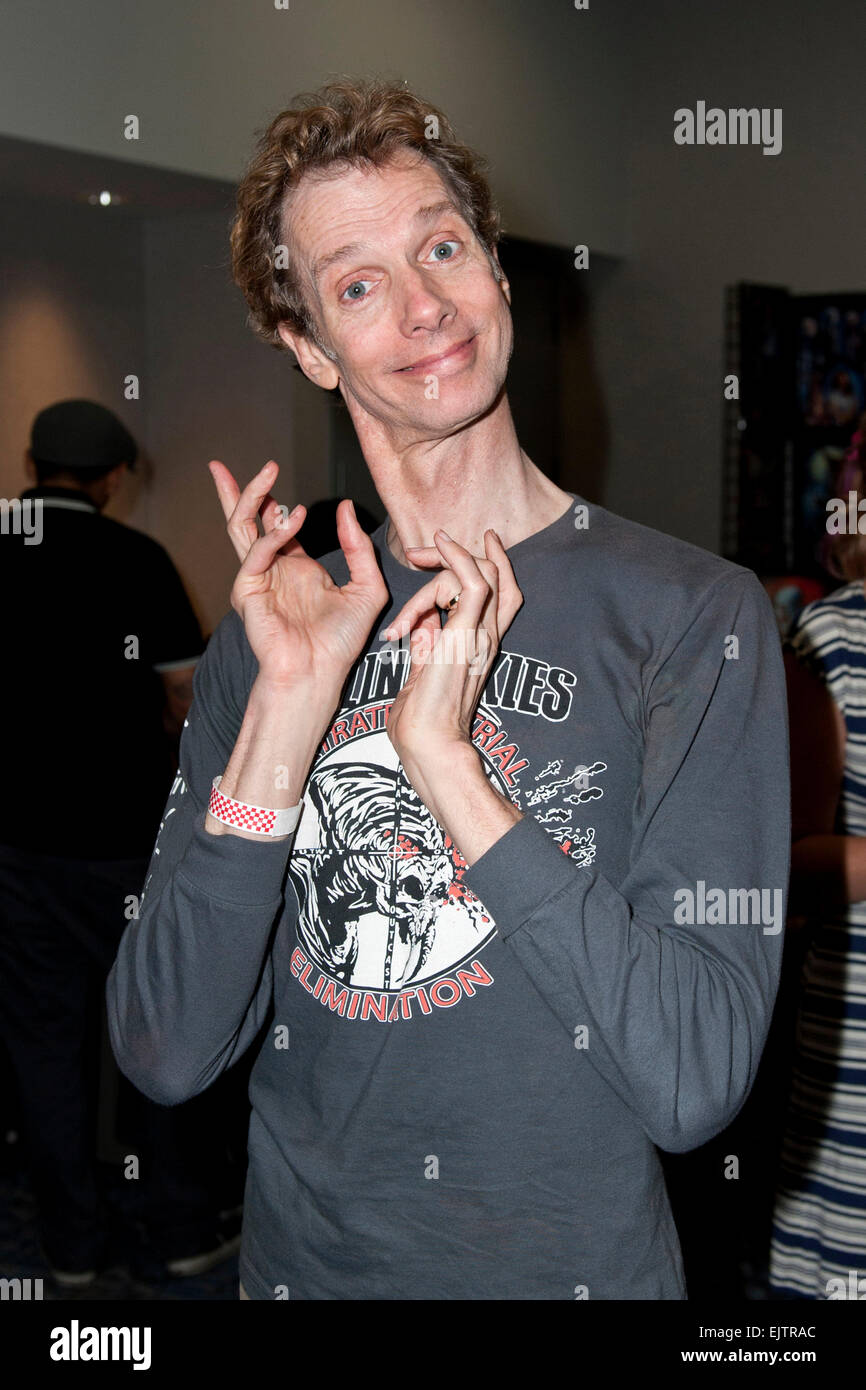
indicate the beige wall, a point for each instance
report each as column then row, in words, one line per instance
column 154, row 297
column 215, row 391
column 71, row 317
column 89, row 299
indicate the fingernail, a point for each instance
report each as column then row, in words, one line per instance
column 444, row 533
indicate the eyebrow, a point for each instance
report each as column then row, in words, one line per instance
column 354, row 248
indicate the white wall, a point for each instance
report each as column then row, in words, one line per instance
column 574, row 110
column 703, row 218
column 540, row 88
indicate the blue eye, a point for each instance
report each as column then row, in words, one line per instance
column 354, row 285
column 438, row 247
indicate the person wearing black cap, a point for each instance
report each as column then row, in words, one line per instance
column 101, row 643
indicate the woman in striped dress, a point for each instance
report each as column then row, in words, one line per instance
column 819, row 1222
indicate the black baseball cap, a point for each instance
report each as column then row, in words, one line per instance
column 80, row 434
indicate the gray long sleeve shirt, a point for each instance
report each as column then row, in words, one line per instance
column 468, row 1070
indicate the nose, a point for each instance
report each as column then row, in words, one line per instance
column 422, row 301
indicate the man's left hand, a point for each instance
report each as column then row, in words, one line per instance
column 430, row 720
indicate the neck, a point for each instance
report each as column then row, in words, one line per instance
column 73, row 485
column 476, row 478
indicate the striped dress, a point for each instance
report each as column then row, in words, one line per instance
column 819, row 1221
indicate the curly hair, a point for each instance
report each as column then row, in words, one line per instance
column 351, row 122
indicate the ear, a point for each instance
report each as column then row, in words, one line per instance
column 114, row 478
column 503, row 283
column 311, row 360
column 29, row 466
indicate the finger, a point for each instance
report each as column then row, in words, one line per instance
column 423, row 554
column 430, row 555
column 235, row 504
column 229, row 494
column 262, row 552
column 477, row 589
column 256, row 490
column 271, row 512
column 227, row 489
column 358, row 549
column 288, row 524
column 436, row 593
column 510, row 595
column 242, row 525
column 275, row 516
column 421, row 643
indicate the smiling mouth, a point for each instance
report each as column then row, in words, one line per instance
column 428, row 363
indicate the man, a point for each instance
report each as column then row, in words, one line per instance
column 491, row 998
column 101, row 644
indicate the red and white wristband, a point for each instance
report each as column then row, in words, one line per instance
column 260, row 820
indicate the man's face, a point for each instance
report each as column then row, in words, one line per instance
column 395, row 277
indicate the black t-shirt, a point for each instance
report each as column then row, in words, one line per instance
column 92, row 611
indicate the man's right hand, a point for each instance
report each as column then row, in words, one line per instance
column 302, row 627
